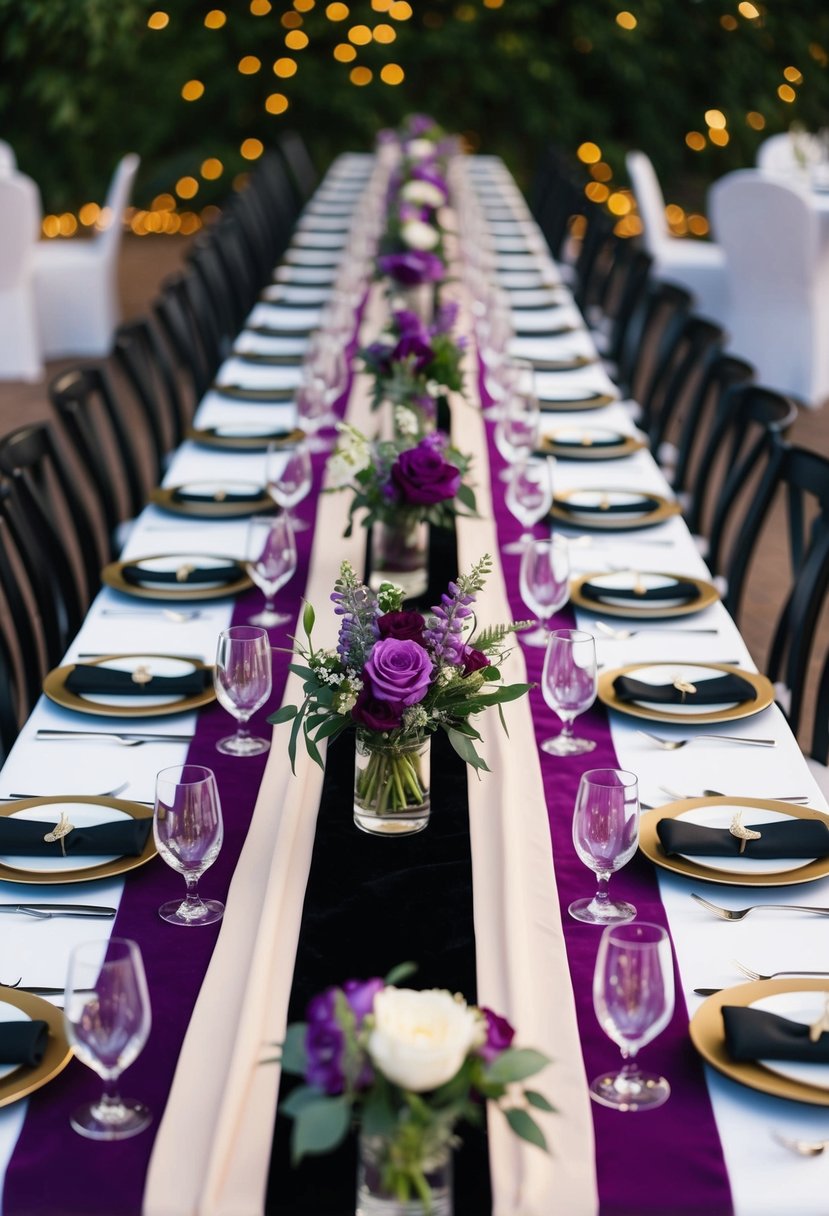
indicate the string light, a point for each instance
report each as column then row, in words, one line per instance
column 260, row 8
column 252, row 149
column 192, row 90
column 158, row 20
column 384, row 33
column 626, row 20
column 296, row 40
column 360, row 35
column 276, row 103
column 344, row 52
column 337, row 11
column 589, row 153
column 755, row 120
column 212, row 169
column 392, row 73
column 695, row 141
column 361, row 76
column 786, row 93
column 187, row 187
column 249, row 65
column 215, row 19
column 793, row 75
column 285, row 68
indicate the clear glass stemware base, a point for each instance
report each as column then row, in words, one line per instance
column 630, row 1090
column 192, row 913
column 242, row 745
column 535, row 637
column 111, row 1118
column 269, row 619
column 566, row 745
column 596, row 911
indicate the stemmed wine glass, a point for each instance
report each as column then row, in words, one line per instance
column 516, row 431
column 568, row 683
column 633, row 995
column 107, row 1018
column 544, row 581
column 243, row 679
column 605, row 837
column 289, row 477
column 271, row 563
column 188, row 831
column 529, row 497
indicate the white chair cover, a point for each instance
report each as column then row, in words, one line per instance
column 697, row 265
column 778, row 278
column 20, row 355
column 790, row 155
column 76, row 281
column 8, row 160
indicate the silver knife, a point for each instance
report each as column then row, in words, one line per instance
column 137, row 736
column 707, row 991
column 47, row 911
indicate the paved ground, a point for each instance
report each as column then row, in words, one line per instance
column 145, row 261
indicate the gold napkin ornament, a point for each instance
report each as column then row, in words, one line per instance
column 684, row 686
column 817, row 1028
column 737, row 828
column 60, row 831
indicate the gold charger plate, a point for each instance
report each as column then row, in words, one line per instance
column 586, row 451
column 600, row 522
column 27, row 1078
column 215, row 507
column 708, row 595
column 650, row 846
column 708, row 1037
column 210, row 437
column 107, row 869
column 762, row 685
column 565, row 405
column 54, row 686
column 265, row 396
column 112, row 576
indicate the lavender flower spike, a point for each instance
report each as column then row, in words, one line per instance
column 358, row 607
column 444, row 635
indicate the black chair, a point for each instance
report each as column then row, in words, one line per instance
column 820, row 735
column 593, row 263
column 722, row 373
column 685, row 353
column 177, row 322
column 297, row 158
column 24, row 653
column 146, row 364
column 654, row 328
column 622, row 296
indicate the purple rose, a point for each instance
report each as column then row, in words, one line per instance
column 473, row 660
column 405, row 626
column 398, row 671
column 379, row 355
column 360, row 995
column 429, row 173
column 423, row 476
column 407, row 322
column 376, row 713
column 412, row 346
column 413, row 267
column 499, row 1035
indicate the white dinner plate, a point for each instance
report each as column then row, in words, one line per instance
column 260, row 344
column 318, row 240
column 175, row 561
column 664, row 674
column 236, row 373
column 542, row 321
column 636, row 504
column 10, row 1013
column 721, row 816
column 805, row 1007
column 81, row 816
column 276, row 317
column 626, row 580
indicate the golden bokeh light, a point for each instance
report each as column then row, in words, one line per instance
column 400, row 10
column 729, row 22
column 361, row 76
column 284, row 68
column 674, row 213
column 601, row 171
column 260, row 8
column 89, row 213
column 381, row 6
column 626, row 20
column 755, row 120
column 187, row 187
column 718, row 136
column 695, row 141
column 190, row 223
column 290, row 21
column 715, row 119
column 304, row 6
column 337, row 11
column 793, row 75
column 252, row 149
column 493, row 3
column 698, row 225
column 619, row 203
column 589, row 153
column 212, row 169
column 163, row 202
column 296, row 40
column 786, row 93
column 384, row 33
column 392, row 73
column 276, row 103
column 158, row 20
column 628, row 226
column 215, row 19
column 818, row 53
column 750, row 11
column 193, row 90
column 50, row 226
column 248, row 65
column 596, row 192
column 360, row 35
column 344, row 52
column 210, row 213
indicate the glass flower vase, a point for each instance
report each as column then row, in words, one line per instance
column 381, row 1186
column 391, row 784
column 400, row 555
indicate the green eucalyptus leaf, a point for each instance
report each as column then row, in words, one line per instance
column 298, row 1099
column 401, row 972
column 294, row 1058
column 538, row 1100
column 286, row 714
column 515, row 1064
column 320, row 1126
column 523, row 1124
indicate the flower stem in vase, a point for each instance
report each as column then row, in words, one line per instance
column 391, row 785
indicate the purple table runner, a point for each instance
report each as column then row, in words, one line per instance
column 54, row 1171
column 669, row 1161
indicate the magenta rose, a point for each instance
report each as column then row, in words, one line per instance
column 405, row 626
column 473, row 660
column 413, row 346
column 398, row 671
column 376, row 713
column 413, row 267
column 499, row 1035
column 423, row 476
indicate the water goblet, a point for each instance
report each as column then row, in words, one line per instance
column 289, row 477
column 243, row 680
column 516, row 431
column 568, row 683
column 544, row 581
column 107, row 1017
column 529, row 497
column 633, row 995
column 188, row 831
column 605, row 837
column 271, row 563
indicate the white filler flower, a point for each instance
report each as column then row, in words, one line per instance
column 419, row 235
column 423, row 194
column 421, row 1039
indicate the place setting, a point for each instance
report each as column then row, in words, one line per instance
column 213, row 499
column 34, row 1048
column 642, row 595
column 238, row 380
column 589, row 443
column 686, row 693
column 131, row 685
column 611, row 509
column 245, row 436
column 177, row 576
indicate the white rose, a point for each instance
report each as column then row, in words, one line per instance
column 421, row 1039
column 420, row 149
column 423, row 194
column 353, row 454
column 418, row 235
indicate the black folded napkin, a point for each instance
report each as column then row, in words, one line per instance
column 557, row 404
column 560, row 365
column 93, row 678
column 786, row 838
column 238, row 392
column 23, row 1042
column 277, row 331
column 185, row 575
column 252, row 356
column 219, row 497
column 753, row 1034
column 122, row 838
column 680, row 590
column 586, row 441
column 612, row 508
column 728, row 687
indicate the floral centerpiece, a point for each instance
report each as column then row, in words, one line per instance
column 412, row 361
column 398, row 676
column 408, row 1066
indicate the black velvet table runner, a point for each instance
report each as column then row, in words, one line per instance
column 371, row 903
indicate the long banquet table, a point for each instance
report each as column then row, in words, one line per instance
column 220, row 998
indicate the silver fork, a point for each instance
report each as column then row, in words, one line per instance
column 622, row 635
column 672, row 745
column 169, row 614
column 125, row 739
column 803, row 1148
column 119, row 789
column 756, row 975
column 675, row 797
column 742, row 913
